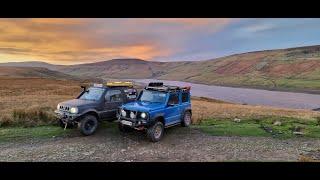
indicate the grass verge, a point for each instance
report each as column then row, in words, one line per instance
column 278, row 127
column 21, row 133
column 48, row 131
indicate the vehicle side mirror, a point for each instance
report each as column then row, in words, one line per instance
column 84, row 88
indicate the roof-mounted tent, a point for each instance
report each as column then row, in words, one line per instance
column 119, row 84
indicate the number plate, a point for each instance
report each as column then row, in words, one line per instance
column 128, row 123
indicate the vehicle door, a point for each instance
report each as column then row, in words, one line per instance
column 113, row 99
column 172, row 111
column 185, row 101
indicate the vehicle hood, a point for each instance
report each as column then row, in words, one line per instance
column 78, row 103
column 143, row 106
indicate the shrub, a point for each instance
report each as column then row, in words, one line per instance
column 318, row 120
column 5, row 121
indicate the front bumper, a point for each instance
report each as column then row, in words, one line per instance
column 134, row 123
column 65, row 116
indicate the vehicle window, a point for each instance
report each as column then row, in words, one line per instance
column 153, row 96
column 131, row 93
column 92, row 94
column 115, row 95
column 185, row 97
column 173, row 99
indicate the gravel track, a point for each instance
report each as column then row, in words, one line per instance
column 178, row 144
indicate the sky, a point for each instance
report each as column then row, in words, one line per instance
column 75, row 40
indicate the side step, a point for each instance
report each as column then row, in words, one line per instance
column 174, row 124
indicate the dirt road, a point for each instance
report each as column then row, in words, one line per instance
column 178, row 144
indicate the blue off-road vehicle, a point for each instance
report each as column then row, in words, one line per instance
column 157, row 107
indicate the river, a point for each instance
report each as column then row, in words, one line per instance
column 248, row 96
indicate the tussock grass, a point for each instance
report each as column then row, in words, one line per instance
column 202, row 110
column 28, row 117
column 33, row 117
column 31, row 101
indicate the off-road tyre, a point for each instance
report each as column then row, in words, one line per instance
column 153, row 132
column 88, row 125
column 186, row 120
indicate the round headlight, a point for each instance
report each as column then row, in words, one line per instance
column 123, row 113
column 132, row 115
column 74, row 110
column 143, row 115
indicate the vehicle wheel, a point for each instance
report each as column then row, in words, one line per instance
column 124, row 128
column 61, row 124
column 155, row 132
column 88, row 125
column 186, row 121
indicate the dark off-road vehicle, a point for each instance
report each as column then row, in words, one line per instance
column 96, row 103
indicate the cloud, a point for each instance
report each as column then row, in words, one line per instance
column 259, row 28
column 84, row 40
column 81, row 40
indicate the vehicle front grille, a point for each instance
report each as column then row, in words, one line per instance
column 64, row 108
column 127, row 113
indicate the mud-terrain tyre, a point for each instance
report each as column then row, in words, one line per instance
column 62, row 125
column 88, row 125
column 124, row 129
column 155, row 132
column 186, row 121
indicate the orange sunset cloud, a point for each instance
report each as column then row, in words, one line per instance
column 72, row 41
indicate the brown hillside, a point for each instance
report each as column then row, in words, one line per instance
column 33, row 72
column 287, row 69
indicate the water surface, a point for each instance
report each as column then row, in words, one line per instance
column 248, row 96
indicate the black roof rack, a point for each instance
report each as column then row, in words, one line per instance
column 158, row 86
column 155, row 84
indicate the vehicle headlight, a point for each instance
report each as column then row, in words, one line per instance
column 143, row 115
column 123, row 113
column 73, row 110
column 58, row 106
column 132, row 115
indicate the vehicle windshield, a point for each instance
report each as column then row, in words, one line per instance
column 153, row 96
column 92, row 94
